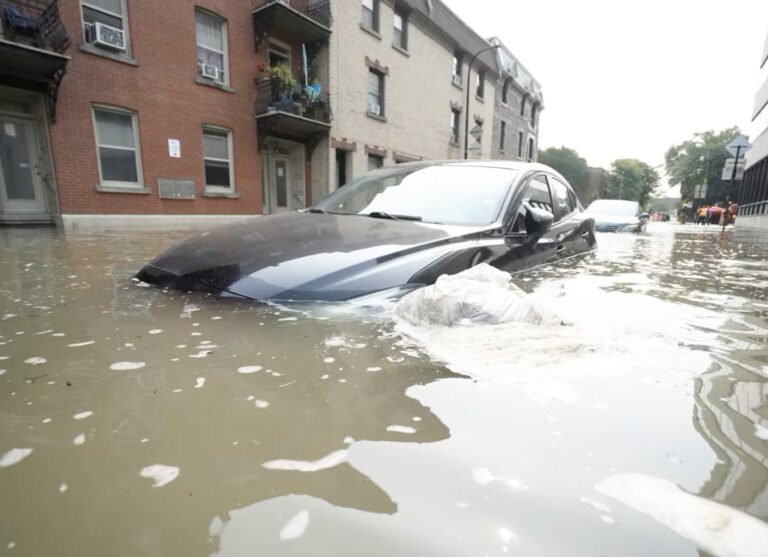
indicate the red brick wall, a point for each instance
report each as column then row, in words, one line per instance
column 169, row 103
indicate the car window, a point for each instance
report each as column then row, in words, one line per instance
column 564, row 204
column 536, row 195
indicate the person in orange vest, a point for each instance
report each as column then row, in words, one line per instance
column 701, row 214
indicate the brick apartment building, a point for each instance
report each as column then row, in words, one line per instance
column 163, row 111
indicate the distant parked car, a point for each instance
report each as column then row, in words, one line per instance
column 617, row 215
column 393, row 229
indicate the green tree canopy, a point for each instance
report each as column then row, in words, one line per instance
column 631, row 179
column 568, row 163
column 700, row 160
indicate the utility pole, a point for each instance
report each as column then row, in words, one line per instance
column 466, row 106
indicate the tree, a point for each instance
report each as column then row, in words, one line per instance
column 568, row 163
column 700, row 161
column 631, row 179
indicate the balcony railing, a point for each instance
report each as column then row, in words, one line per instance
column 298, row 101
column 316, row 10
column 35, row 23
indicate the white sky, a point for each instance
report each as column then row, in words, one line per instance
column 625, row 80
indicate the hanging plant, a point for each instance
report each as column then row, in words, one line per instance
column 284, row 77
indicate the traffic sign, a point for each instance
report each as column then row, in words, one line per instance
column 738, row 146
column 728, row 173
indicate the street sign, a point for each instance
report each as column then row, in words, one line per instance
column 728, row 169
column 738, row 146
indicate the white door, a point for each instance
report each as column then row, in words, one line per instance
column 21, row 191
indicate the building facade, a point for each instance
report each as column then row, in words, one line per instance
column 753, row 195
column 172, row 110
column 517, row 109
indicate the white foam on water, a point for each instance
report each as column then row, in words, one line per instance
column 329, row 360
column 83, row 415
column 216, row 318
column 201, row 354
column 47, row 420
column 79, row 439
column 63, row 488
column 288, row 319
column 261, row 404
column 3, row 371
column 199, row 382
column 160, row 474
column 416, row 418
column 507, row 535
column 348, row 440
column 482, row 476
column 597, row 505
column 324, row 376
column 373, row 368
column 79, row 344
column 155, row 331
column 14, row 456
column 296, row 526
column 761, row 431
column 144, row 440
column 714, row 527
column 401, row 429
column 249, row 369
column 328, row 461
column 59, row 335
column 479, row 325
column 35, row 361
column 126, row 366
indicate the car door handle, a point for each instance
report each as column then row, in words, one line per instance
column 585, row 235
column 560, row 249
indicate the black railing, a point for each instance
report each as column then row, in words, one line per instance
column 317, row 10
column 301, row 101
column 35, row 23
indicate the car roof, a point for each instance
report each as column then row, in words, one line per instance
column 520, row 166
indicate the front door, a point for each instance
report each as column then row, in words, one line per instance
column 21, row 191
column 281, row 192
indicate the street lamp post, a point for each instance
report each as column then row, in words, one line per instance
column 466, row 106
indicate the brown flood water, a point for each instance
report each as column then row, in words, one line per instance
column 140, row 422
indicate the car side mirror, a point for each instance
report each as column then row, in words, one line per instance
column 538, row 221
column 645, row 216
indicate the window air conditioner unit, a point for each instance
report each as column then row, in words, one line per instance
column 374, row 109
column 105, row 36
column 456, row 80
column 209, row 71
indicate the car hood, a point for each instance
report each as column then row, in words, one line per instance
column 305, row 256
column 614, row 219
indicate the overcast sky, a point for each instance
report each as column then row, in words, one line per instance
column 629, row 81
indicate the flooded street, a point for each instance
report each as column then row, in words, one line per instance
column 140, row 422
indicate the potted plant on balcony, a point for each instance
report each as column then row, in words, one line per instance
column 282, row 77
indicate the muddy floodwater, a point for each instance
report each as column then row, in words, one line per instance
column 140, row 422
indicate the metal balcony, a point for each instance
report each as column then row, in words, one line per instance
column 295, row 113
column 32, row 40
column 300, row 20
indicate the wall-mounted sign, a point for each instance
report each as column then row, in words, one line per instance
column 174, row 148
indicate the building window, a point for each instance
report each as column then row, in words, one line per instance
column 505, row 91
column 520, row 145
column 480, row 91
column 401, row 30
column 503, row 136
column 111, row 33
column 522, row 105
column 375, row 93
column 279, row 54
column 375, row 161
column 457, row 68
column 530, row 149
column 371, row 14
column 455, row 119
column 211, row 33
column 117, row 143
column 217, row 156
column 533, row 115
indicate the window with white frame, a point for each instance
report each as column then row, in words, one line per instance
column 117, row 144
column 480, row 91
column 217, row 156
column 457, row 63
column 370, row 17
column 105, row 25
column 211, row 32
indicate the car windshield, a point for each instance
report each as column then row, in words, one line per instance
column 448, row 194
column 613, row 207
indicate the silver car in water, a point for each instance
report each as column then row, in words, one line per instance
column 617, row 215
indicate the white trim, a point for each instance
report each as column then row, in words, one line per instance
column 75, row 222
column 224, row 43
column 230, row 160
column 136, row 145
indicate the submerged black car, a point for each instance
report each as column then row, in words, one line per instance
column 394, row 228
